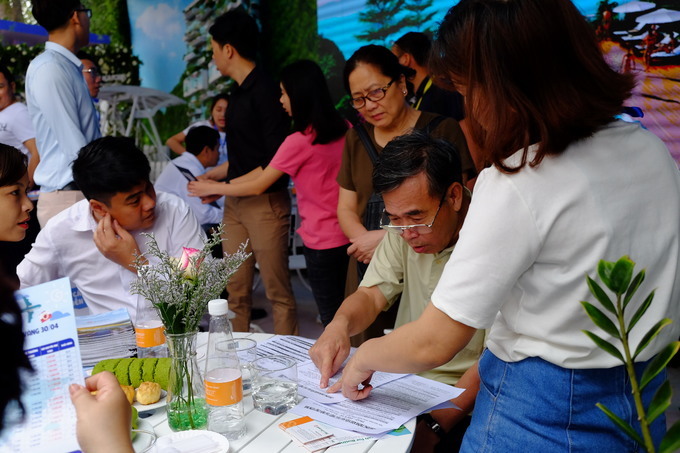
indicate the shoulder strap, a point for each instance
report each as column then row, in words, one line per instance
column 432, row 125
column 368, row 144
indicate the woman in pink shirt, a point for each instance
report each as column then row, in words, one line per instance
column 311, row 156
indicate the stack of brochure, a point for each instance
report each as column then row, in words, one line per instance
column 106, row 336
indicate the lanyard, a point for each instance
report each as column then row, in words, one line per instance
column 428, row 84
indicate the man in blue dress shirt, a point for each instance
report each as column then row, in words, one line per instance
column 59, row 103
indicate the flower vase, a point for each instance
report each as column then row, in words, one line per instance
column 186, row 394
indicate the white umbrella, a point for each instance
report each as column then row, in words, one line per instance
column 660, row 16
column 633, row 7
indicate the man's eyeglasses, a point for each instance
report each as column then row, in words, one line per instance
column 373, row 95
column 87, row 11
column 94, row 72
column 419, row 228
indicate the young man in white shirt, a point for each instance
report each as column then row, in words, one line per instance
column 59, row 102
column 95, row 241
column 202, row 145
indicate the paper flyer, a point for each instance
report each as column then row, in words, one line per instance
column 51, row 344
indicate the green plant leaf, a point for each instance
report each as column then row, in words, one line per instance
column 659, row 363
column 634, row 285
column 671, row 441
column 640, row 311
column 649, row 336
column 604, row 345
column 604, row 270
column 601, row 320
column 660, row 402
column 620, row 275
column 625, row 427
column 600, row 295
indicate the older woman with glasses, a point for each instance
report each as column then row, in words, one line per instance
column 376, row 83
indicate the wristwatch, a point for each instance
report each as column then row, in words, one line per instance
column 433, row 425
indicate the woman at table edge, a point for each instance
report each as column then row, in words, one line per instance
column 103, row 419
column 576, row 191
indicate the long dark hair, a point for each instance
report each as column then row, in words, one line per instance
column 310, row 101
column 535, row 69
column 12, row 339
column 12, row 165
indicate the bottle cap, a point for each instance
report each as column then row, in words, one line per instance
column 218, row 307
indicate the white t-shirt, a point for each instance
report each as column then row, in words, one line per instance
column 65, row 248
column 530, row 238
column 16, row 126
column 223, row 139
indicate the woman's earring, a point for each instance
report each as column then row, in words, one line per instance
column 404, row 92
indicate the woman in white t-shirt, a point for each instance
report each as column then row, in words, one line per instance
column 16, row 128
column 217, row 120
column 567, row 185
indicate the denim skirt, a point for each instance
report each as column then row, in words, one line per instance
column 536, row 406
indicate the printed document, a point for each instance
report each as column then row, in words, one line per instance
column 386, row 408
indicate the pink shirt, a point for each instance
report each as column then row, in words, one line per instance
column 314, row 169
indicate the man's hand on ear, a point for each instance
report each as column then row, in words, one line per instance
column 115, row 243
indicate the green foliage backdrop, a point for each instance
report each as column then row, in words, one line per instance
column 290, row 33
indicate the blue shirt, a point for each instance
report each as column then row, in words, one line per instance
column 62, row 113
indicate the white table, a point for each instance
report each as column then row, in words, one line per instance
column 263, row 433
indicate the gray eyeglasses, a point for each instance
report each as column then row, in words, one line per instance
column 92, row 71
column 419, row 228
column 87, row 11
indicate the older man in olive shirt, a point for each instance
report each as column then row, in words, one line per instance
column 256, row 126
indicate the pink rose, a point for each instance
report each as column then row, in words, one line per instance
column 185, row 262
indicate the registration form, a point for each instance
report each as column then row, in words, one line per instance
column 51, row 344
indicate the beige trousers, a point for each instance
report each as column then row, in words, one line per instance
column 263, row 220
column 52, row 203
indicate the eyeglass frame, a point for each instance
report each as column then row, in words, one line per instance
column 368, row 96
column 92, row 71
column 87, row 11
column 399, row 229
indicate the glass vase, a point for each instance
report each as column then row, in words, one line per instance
column 186, row 394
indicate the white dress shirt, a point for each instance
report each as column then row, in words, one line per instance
column 62, row 113
column 65, row 248
column 530, row 238
column 171, row 180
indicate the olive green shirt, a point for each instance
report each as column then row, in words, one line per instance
column 396, row 269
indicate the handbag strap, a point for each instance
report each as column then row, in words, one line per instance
column 368, row 144
column 432, row 125
column 370, row 147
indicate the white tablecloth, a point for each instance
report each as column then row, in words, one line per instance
column 264, row 434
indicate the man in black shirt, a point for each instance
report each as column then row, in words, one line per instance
column 256, row 127
column 413, row 49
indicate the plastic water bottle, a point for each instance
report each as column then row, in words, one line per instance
column 149, row 331
column 223, row 381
